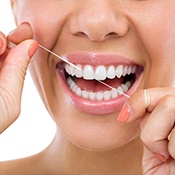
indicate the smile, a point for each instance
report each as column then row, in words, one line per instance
column 85, row 91
column 122, row 74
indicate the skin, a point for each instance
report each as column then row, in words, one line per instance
column 140, row 30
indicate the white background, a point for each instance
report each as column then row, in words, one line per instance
column 34, row 129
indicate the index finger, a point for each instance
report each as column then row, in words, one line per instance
column 137, row 106
column 21, row 33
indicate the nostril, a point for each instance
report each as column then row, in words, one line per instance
column 96, row 37
column 80, row 34
column 97, row 26
column 111, row 35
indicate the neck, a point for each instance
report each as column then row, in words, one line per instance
column 70, row 159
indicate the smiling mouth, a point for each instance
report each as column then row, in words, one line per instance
column 84, row 83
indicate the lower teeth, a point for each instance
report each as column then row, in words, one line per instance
column 99, row 96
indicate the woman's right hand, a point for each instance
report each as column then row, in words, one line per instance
column 13, row 65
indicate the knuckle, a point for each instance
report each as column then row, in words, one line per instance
column 146, row 139
column 171, row 149
column 172, row 152
column 171, row 144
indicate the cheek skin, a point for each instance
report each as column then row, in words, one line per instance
column 163, row 57
column 46, row 19
column 157, row 35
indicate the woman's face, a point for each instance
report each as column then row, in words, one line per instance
column 108, row 39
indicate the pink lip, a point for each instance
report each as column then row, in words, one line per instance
column 97, row 59
column 97, row 107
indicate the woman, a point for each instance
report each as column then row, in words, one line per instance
column 128, row 45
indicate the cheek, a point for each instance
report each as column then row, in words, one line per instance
column 45, row 19
column 157, row 35
column 162, row 54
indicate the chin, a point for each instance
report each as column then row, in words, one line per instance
column 96, row 133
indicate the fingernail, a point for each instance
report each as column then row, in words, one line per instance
column 160, row 157
column 1, row 43
column 32, row 49
column 13, row 31
column 23, row 23
column 18, row 28
column 124, row 114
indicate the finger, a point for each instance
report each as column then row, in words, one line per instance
column 11, row 81
column 137, row 106
column 158, row 126
column 3, row 43
column 149, row 161
column 16, row 63
column 171, row 144
column 21, row 33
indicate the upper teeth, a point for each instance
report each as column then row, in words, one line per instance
column 100, row 72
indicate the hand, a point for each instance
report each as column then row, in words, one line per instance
column 155, row 108
column 13, row 65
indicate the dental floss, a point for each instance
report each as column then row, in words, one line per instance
column 113, row 88
column 76, row 67
column 11, row 45
column 61, row 58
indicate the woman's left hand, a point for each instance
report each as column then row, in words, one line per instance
column 155, row 108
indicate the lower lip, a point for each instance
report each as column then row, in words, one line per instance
column 96, row 107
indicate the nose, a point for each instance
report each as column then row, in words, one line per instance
column 99, row 20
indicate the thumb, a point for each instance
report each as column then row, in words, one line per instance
column 12, row 77
column 15, row 65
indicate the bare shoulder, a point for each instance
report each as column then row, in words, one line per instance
column 26, row 166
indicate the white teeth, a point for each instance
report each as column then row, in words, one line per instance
column 99, row 96
column 78, row 91
column 125, row 69
column 114, row 94
column 111, row 72
column 119, row 71
column 107, row 95
column 100, row 72
column 72, row 71
column 88, row 72
column 78, row 73
column 85, row 94
column 92, row 95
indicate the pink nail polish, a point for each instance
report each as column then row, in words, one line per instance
column 18, row 28
column 23, row 23
column 160, row 157
column 32, row 49
column 124, row 114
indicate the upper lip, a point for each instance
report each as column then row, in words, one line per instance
column 95, row 59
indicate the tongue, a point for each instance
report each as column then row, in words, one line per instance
column 95, row 86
